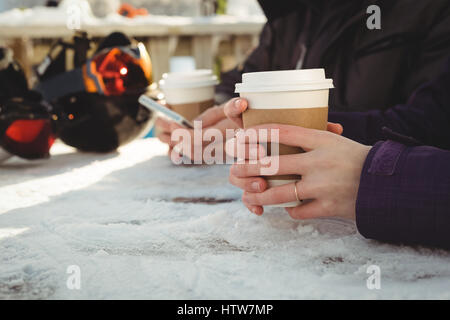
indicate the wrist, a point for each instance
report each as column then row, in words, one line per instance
column 361, row 159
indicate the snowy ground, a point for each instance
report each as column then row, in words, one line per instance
column 114, row 217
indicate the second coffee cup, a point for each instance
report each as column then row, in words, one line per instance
column 292, row 97
column 189, row 93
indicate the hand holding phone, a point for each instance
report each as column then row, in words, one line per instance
column 151, row 104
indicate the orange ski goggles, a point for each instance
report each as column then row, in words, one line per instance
column 118, row 70
column 112, row 71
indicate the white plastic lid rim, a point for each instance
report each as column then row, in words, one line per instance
column 189, row 79
column 288, row 80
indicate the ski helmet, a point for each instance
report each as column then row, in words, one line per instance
column 95, row 104
column 25, row 120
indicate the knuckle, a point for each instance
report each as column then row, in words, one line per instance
column 262, row 183
column 270, row 196
column 277, row 194
column 248, row 184
column 246, row 198
column 249, row 198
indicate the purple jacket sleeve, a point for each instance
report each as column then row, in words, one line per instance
column 404, row 195
column 426, row 116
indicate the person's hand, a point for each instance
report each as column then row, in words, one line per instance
column 209, row 118
column 330, row 169
column 162, row 127
column 162, row 130
column 212, row 118
column 234, row 108
column 199, row 144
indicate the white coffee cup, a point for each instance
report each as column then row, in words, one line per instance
column 189, row 93
column 294, row 97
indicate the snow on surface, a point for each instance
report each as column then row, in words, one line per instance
column 113, row 216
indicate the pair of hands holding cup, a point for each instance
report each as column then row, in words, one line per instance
column 330, row 168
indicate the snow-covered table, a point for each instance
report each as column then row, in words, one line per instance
column 126, row 220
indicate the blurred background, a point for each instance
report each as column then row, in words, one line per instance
column 216, row 34
column 160, row 7
column 180, row 35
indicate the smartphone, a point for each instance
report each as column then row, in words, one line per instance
column 166, row 112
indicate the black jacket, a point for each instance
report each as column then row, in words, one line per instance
column 371, row 69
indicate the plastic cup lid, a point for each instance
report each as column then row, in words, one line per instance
column 289, row 80
column 190, row 79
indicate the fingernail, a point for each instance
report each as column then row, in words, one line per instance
column 255, row 211
column 255, row 186
column 237, row 104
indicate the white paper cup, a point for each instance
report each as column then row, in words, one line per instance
column 189, row 93
column 294, row 97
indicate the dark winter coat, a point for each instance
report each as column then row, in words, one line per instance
column 371, row 69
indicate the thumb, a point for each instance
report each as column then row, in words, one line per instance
column 234, row 108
